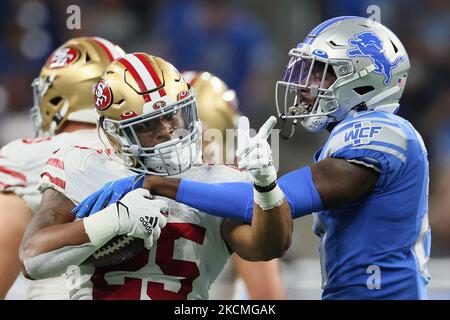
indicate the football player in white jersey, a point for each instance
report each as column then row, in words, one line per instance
column 63, row 114
column 217, row 107
column 148, row 114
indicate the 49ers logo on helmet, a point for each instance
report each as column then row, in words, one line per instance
column 62, row 57
column 159, row 104
column 102, row 95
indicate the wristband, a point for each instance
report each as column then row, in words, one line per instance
column 102, row 226
column 269, row 199
column 263, row 189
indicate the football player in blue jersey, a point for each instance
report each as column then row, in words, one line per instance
column 368, row 186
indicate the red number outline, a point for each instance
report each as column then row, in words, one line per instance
column 131, row 289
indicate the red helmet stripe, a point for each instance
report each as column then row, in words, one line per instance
column 109, row 47
column 110, row 57
column 127, row 64
column 152, row 72
column 145, row 75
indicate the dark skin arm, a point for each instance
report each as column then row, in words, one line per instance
column 337, row 180
column 52, row 227
column 268, row 237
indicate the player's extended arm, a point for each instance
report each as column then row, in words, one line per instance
column 268, row 237
column 50, row 229
column 53, row 242
column 270, row 232
column 323, row 185
column 326, row 184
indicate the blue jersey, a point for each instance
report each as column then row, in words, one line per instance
column 378, row 247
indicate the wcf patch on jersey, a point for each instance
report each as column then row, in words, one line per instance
column 362, row 133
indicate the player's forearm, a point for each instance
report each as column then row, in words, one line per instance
column 271, row 230
column 225, row 200
column 234, row 200
column 51, row 250
column 55, row 263
column 231, row 200
column 164, row 187
column 54, row 237
column 268, row 237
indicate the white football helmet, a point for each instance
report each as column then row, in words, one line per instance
column 345, row 64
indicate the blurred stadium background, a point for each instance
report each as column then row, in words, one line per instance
column 245, row 42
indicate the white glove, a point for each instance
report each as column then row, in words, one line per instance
column 255, row 155
column 141, row 217
column 134, row 215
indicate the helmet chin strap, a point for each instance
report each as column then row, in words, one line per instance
column 283, row 135
column 58, row 117
column 106, row 145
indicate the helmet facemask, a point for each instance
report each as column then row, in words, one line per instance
column 306, row 91
column 40, row 87
column 164, row 142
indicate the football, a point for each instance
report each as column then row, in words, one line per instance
column 116, row 251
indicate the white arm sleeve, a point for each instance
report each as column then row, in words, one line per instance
column 54, row 263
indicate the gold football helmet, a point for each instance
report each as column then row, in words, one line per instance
column 217, row 107
column 63, row 89
column 148, row 114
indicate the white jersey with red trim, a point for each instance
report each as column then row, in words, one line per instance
column 22, row 160
column 21, row 163
column 187, row 257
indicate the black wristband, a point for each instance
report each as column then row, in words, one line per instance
column 268, row 188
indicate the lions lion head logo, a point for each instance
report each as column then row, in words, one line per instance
column 369, row 45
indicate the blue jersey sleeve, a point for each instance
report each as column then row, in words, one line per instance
column 372, row 140
column 234, row 200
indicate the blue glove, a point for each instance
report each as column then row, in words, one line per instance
column 109, row 193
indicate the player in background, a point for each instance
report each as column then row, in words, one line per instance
column 368, row 187
column 217, row 107
column 63, row 114
column 149, row 116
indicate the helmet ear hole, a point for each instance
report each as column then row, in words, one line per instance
column 54, row 101
column 363, row 90
column 394, row 46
